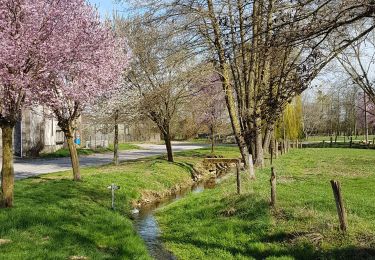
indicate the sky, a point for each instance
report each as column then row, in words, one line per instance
column 105, row 7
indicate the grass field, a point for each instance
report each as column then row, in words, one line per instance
column 320, row 138
column 64, row 152
column 218, row 224
column 56, row 218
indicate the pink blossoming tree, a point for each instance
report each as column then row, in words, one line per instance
column 55, row 53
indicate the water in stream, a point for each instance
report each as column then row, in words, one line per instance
column 147, row 226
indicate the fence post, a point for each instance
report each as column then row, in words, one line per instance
column 339, row 205
column 238, row 178
column 251, row 167
column 273, row 187
column 351, row 142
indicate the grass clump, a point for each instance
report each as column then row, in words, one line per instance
column 218, row 224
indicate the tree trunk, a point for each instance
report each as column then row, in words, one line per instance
column 115, row 142
column 259, row 156
column 7, row 171
column 73, row 154
column 167, row 140
column 212, row 139
column 267, row 138
column 366, row 123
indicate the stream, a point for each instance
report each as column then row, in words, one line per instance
column 147, row 227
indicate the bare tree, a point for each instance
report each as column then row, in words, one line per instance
column 163, row 74
column 266, row 52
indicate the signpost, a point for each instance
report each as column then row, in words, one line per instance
column 113, row 187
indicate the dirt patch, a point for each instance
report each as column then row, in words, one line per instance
column 5, row 241
column 78, row 257
column 286, row 179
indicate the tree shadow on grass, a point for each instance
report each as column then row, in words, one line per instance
column 66, row 218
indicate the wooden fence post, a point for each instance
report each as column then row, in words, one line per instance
column 251, row 167
column 339, row 205
column 238, row 178
column 351, row 142
column 273, row 187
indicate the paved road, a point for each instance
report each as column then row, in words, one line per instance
column 25, row 168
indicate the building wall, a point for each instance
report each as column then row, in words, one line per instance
column 101, row 135
column 38, row 132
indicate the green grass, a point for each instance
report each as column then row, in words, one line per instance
column 56, row 218
column 125, row 147
column 218, row 224
column 64, row 152
column 320, row 138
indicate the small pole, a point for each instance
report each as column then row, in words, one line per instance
column 113, row 187
column 238, row 178
column 113, row 195
column 344, row 139
column 330, row 142
column 324, row 143
column 339, row 205
column 251, row 167
column 273, row 187
column 271, row 155
column 351, row 142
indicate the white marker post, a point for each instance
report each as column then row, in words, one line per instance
column 113, row 187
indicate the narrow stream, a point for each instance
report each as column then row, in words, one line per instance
column 147, row 226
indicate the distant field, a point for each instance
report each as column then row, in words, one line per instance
column 218, row 224
column 320, row 138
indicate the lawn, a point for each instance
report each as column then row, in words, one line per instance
column 64, row 152
column 56, row 218
column 218, row 224
column 341, row 138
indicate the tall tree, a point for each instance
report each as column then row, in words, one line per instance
column 50, row 53
column 163, row 74
column 266, row 52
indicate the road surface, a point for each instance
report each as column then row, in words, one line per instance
column 25, row 168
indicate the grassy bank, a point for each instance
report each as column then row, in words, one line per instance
column 218, row 224
column 56, row 218
column 64, row 152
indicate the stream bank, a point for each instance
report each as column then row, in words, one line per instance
column 144, row 217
